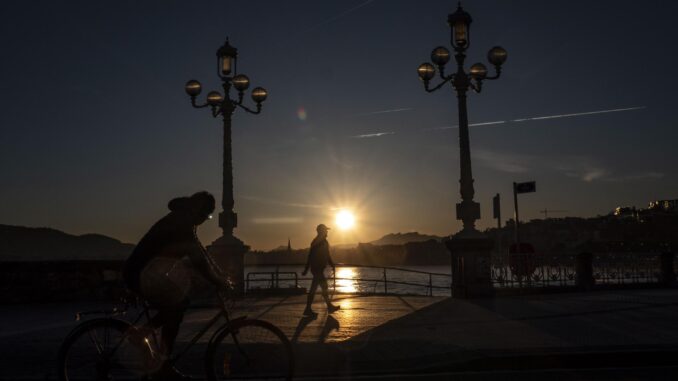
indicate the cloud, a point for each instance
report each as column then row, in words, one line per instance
column 283, row 203
column 637, row 177
column 343, row 163
column 503, row 162
column 277, row 220
column 592, row 174
column 584, row 168
column 337, row 17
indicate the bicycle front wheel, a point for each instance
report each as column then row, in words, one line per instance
column 103, row 350
column 250, row 349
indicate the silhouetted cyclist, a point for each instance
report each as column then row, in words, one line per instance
column 318, row 259
column 158, row 269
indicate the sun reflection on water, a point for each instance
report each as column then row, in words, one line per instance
column 346, row 280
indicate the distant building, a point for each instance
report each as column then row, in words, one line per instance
column 655, row 209
column 658, row 223
column 669, row 206
column 625, row 212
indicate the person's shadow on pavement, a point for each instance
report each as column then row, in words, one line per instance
column 300, row 327
column 331, row 324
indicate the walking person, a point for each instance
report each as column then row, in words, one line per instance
column 159, row 270
column 318, row 259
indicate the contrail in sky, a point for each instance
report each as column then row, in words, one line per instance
column 337, row 17
column 544, row 117
column 374, row 135
column 384, row 111
column 579, row 114
column 379, row 134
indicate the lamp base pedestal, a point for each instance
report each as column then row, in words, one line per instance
column 229, row 254
column 471, row 271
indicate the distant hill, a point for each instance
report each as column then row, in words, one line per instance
column 403, row 238
column 18, row 243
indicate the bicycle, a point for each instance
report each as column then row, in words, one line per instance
column 110, row 348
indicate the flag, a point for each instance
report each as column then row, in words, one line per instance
column 527, row 187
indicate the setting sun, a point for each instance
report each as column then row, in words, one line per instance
column 344, row 220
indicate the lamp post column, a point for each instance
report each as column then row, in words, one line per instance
column 470, row 249
column 468, row 210
column 228, row 219
column 229, row 251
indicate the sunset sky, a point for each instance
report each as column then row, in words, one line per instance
column 97, row 134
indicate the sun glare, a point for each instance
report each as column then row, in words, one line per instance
column 344, row 220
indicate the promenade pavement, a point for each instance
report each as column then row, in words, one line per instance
column 410, row 335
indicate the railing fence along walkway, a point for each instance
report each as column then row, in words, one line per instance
column 377, row 280
column 598, row 265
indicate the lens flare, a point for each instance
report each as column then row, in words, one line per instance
column 301, row 114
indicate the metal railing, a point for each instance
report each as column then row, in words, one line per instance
column 390, row 280
column 272, row 277
column 624, row 268
column 610, row 268
column 544, row 271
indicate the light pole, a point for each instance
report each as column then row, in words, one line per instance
column 227, row 249
column 461, row 81
column 468, row 210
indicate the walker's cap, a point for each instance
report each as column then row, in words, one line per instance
column 322, row 227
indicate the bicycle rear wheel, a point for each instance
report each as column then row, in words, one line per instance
column 250, row 349
column 104, row 350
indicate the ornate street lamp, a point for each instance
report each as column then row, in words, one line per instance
column 228, row 250
column 470, row 249
column 468, row 210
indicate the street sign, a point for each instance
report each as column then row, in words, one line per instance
column 528, row 187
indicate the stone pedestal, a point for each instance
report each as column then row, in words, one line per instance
column 229, row 255
column 471, row 266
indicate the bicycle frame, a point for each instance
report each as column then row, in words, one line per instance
column 223, row 312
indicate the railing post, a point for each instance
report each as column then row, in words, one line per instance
column 452, row 276
column 430, row 285
column 668, row 275
column 277, row 276
column 385, row 282
column 584, row 271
